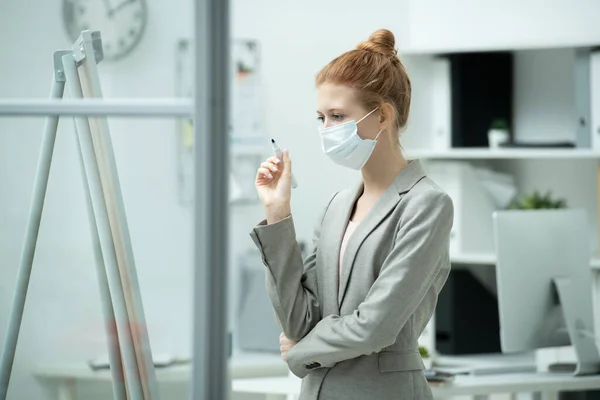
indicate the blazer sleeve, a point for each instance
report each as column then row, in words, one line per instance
column 291, row 283
column 405, row 277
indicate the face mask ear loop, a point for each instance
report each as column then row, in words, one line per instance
column 357, row 122
column 378, row 133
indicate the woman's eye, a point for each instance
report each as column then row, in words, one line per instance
column 337, row 117
column 321, row 119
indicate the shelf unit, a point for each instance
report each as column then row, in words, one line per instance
column 466, row 27
column 575, row 173
column 503, row 157
column 488, row 259
column 425, row 51
column 505, row 153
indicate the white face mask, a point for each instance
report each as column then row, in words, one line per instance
column 343, row 145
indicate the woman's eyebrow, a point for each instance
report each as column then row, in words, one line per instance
column 331, row 110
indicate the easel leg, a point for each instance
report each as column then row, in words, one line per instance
column 110, row 214
column 105, row 240
column 114, row 350
column 31, row 234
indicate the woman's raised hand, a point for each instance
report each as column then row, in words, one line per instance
column 274, row 186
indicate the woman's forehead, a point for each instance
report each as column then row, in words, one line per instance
column 334, row 97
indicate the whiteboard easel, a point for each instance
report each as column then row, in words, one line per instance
column 132, row 368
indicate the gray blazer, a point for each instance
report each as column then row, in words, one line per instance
column 359, row 339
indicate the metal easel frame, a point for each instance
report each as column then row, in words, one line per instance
column 130, row 356
column 210, row 112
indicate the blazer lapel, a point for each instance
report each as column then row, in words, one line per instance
column 405, row 180
column 386, row 203
column 337, row 217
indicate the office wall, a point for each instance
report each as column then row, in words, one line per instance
column 63, row 320
column 465, row 25
column 297, row 39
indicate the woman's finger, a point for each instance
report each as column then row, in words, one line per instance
column 287, row 164
column 270, row 166
column 265, row 173
column 274, row 160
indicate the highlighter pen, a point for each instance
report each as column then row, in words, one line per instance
column 277, row 151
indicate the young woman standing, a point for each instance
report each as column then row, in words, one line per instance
column 353, row 311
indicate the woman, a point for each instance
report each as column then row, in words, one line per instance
column 353, row 311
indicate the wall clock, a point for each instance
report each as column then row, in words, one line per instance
column 121, row 23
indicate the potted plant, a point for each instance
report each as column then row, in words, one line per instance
column 498, row 133
column 427, row 361
column 538, row 201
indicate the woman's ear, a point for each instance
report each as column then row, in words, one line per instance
column 387, row 116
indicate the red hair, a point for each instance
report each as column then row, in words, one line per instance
column 375, row 72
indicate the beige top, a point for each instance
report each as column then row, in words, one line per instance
column 349, row 231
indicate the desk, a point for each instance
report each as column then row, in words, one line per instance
column 546, row 384
column 246, row 365
column 242, row 365
column 486, row 364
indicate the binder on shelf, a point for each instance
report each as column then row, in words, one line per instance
column 594, row 71
column 473, row 206
column 441, row 104
column 481, row 92
column 582, row 98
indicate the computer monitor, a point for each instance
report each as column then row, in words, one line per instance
column 544, row 283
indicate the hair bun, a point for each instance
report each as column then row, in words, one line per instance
column 382, row 42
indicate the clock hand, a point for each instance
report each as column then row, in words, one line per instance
column 121, row 5
column 109, row 10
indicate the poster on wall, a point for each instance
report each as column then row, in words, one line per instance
column 247, row 137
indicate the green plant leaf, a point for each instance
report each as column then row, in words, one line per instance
column 537, row 201
column 499, row 123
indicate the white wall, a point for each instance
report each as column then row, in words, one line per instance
column 63, row 319
column 297, row 39
column 466, row 25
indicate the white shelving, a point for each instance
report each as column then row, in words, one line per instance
column 489, row 259
column 466, row 26
column 501, row 46
column 544, row 101
column 473, row 259
column 504, row 153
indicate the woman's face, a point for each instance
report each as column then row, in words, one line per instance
column 337, row 104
